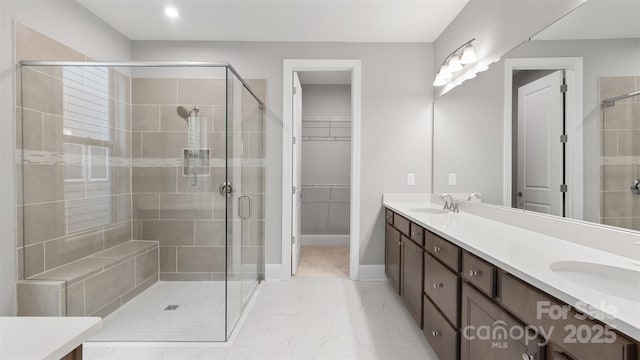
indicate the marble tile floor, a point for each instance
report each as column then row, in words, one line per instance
column 324, row 261
column 305, row 318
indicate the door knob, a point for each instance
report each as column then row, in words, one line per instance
column 520, row 193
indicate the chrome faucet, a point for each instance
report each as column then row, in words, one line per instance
column 475, row 196
column 449, row 204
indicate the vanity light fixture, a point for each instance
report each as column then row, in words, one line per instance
column 171, row 12
column 455, row 62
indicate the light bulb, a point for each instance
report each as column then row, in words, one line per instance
column 454, row 64
column 468, row 55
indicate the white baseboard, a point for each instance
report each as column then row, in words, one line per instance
column 273, row 272
column 372, row 273
column 324, row 240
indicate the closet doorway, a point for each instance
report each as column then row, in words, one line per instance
column 321, row 162
column 321, row 173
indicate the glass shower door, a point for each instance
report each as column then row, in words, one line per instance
column 245, row 215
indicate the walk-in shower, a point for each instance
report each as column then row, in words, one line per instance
column 120, row 210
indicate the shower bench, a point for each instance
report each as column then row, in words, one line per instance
column 95, row 285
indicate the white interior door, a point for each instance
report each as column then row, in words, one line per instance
column 296, row 174
column 540, row 149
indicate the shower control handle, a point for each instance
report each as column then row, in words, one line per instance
column 226, row 190
column 635, row 186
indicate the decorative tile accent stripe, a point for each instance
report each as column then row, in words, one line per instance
column 35, row 157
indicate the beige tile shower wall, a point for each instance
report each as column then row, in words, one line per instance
column 187, row 218
column 620, row 131
column 69, row 208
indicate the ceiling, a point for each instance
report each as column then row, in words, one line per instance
column 325, row 77
column 597, row 19
column 280, row 20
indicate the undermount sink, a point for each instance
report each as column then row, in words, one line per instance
column 429, row 211
column 613, row 280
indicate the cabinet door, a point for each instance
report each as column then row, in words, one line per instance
column 412, row 278
column 555, row 352
column 392, row 256
column 489, row 332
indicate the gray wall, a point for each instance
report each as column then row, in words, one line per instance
column 75, row 26
column 478, row 125
column 396, row 118
column 498, row 26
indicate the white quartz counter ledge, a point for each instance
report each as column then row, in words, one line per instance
column 44, row 337
column 528, row 255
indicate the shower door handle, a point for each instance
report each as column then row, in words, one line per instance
column 244, row 207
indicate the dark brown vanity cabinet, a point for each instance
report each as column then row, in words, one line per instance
column 404, row 261
column 575, row 336
column 469, row 309
column 489, row 332
column 412, row 278
column 442, row 296
column 392, row 256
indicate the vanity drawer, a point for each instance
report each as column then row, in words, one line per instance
column 388, row 216
column 401, row 224
column 417, row 234
column 443, row 250
column 443, row 287
column 442, row 337
column 479, row 273
column 525, row 301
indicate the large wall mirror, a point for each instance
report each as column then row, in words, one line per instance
column 554, row 126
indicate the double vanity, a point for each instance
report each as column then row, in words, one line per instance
column 483, row 289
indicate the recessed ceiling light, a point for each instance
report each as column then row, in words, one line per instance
column 171, row 12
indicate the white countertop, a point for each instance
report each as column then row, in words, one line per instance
column 44, row 337
column 527, row 255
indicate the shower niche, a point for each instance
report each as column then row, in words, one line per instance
column 121, row 215
column 196, row 162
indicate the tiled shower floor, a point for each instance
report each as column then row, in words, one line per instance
column 198, row 317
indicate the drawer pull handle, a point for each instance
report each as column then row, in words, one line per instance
column 413, row 234
column 526, row 356
column 436, row 333
column 437, row 285
column 473, row 273
column 436, row 249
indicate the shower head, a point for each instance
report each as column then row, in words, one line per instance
column 184, row 113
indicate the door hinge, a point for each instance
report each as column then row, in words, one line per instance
column 564, row 188
column 293, row 240
column 294, row 140
column 564, row 138
column 564, row 88
column 295, row 90
column 293, row 189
